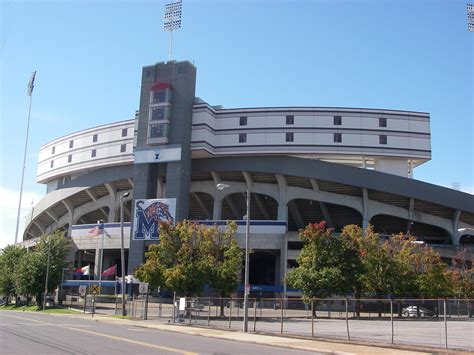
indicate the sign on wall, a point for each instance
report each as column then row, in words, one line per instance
column 149, row 213
column 160, row 155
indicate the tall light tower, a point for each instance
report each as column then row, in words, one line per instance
column 172, row 20
column 31, row 86
column 470, row 17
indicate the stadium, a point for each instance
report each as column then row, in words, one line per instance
column 300, row 164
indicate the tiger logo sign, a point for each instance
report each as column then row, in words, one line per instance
column 149, row 214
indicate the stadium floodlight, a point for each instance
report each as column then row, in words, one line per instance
column 470, row 17
column 172, row 21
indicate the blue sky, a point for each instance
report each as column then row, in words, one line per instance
column 407, row 55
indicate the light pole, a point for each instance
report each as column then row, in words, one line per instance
column 221, row 187
column 122, row 253
column 47, row 276
column 100, row 224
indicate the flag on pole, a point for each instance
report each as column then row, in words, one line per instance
column 83, row 270
column 31, row 84
column 111, row 271
column 97, row 230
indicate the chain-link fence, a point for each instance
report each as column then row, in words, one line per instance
column 430, row 322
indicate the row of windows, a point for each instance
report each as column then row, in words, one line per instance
column 289, row 137
column 95, row 138
column 123, row 149
column 290, row 119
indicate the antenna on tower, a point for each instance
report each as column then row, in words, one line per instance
column 470, row 17
column 172, row 21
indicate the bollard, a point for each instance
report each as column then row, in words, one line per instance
column 391, row 319
column 209, row 313
column 347, row 321
column 312, row 318
column 445, row 325
column 230, row 313
column 281, row 323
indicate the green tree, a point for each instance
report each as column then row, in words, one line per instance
column 328, row 264
column 190, row 255
column 9, row 259
column 226, row 259
column 387, row 265
column 31, row 272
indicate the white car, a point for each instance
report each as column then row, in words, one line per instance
column 416, row 311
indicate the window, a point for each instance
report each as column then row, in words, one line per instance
column 71, row 144
column 157, row 113
column 290, row 119
column 123, row 148
column 382, row 139
column 242, row 137
column 159, row 96
column 337, row 137
column 53, row 150
column 69, row 158
column 337, row 120
column 289, row 136
column 295, row 245
column 243, row 121
column 93, row 153
column 382, row 122
column 124, row 132
column 94, row 138
column 52, row 164
column 159, row 130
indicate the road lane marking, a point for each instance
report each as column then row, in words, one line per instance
column 136, row 330
column 160, row 347
column 149, row 345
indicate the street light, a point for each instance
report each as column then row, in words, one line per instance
column 221, row 187
column 122, row 253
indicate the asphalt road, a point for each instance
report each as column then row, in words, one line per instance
column 33, row 333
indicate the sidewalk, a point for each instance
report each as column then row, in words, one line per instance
column 270, row 340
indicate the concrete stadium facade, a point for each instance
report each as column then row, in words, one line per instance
column 301, row 165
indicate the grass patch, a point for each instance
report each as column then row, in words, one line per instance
column 12, row 307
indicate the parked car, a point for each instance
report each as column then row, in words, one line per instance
column 416, row 311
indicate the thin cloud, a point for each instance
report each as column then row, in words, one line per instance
column 9, row 210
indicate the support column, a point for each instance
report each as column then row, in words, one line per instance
column 282, row 205
column 455, row 234
column 96, row 263
column 365, row 205
column 217, row 209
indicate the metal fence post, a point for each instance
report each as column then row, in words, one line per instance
column 230, row 313
column 174, row 308
column 282, row 310
column 391, row 319
column 347, row 321
column 254, row 316
column 312, row 318
column 85, row 302
column 209, row 313
column 190, row 312
column 445, row 325
column 145, row 315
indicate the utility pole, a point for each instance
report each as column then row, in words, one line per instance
column 122, row 253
